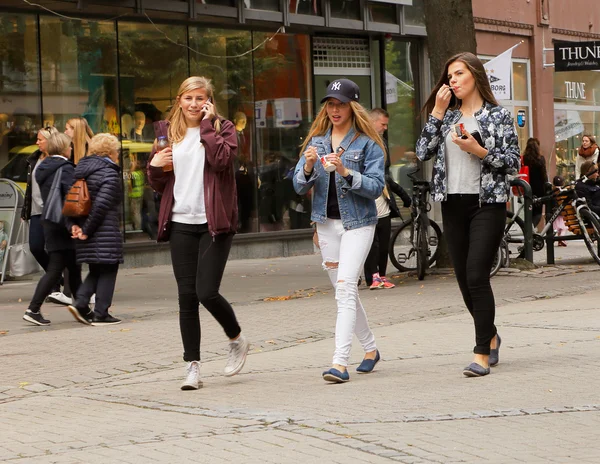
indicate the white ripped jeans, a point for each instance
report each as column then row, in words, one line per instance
column 344, row 253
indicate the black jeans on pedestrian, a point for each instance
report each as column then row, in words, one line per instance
column 198, row 264
column 37, row 245
column 101, row 280
column 473, row 233
column 57, row 262
column 377, row 258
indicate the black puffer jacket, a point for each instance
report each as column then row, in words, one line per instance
column 104, row 244
column 57, row 237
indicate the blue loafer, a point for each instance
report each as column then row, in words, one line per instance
column 367, row 365
column 335, row 376
column 495, row 354
column 475, row 370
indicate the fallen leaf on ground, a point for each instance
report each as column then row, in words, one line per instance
column 271, row 342
column 125, row 330
column 3, row 332
column 23, row 384
column 277, row 298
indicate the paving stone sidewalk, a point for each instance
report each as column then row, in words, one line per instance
column 76, row 394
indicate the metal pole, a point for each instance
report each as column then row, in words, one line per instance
column 549, row 235
column 528, row 207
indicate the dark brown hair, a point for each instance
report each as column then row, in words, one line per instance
column 592, row 139
column 482, row 83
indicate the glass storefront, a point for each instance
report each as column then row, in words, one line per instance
column 401, row 78
column 122, row 76
column 576, row 113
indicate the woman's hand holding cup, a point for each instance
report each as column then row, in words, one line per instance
column 162, row 158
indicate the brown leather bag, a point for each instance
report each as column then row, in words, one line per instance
column 78, row 202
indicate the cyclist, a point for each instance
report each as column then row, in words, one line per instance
column 470, row 179
column 587, row 186
column 376, row 263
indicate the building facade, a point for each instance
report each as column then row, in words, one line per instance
column 119, row 65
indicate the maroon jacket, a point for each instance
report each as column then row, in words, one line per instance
column 220, row 195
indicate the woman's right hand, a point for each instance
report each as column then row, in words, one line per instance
column 310, row 158
column 162, row 158
column 442, row 100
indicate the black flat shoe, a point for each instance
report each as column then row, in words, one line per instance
column 475, row 370
column 495, row 353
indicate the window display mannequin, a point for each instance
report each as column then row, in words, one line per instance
column 244, row 175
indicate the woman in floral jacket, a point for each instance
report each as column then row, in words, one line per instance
column 474, row 145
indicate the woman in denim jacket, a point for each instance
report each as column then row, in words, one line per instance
column 471, row 182
column 343, row 161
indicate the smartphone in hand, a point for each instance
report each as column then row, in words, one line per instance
column 477, row 136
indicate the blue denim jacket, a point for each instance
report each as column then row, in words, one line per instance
column 364, row 159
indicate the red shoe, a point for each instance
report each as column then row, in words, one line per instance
column 387, row 283
column 377, row 283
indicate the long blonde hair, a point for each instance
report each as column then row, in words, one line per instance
column 177, row 126
column 82, row 135
column 360, row 121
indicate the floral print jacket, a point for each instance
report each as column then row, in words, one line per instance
column 497, row 130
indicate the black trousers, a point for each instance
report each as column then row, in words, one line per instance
column 101, row 280
column 473, row 233
column 198, row 264
column 377, row 258
column 57, row 262
column 37, row 245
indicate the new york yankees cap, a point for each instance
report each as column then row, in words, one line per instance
column 344, row 90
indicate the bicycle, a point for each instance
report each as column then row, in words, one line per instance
column 577, row 215
column 414, row 245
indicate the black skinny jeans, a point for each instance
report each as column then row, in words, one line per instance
column 473, row 234
column 101, row 280
column 37, row 245
column 377, row 258
column 57, row 262
column 198, row 264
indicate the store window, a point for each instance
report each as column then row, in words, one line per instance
column 231, row 76
column 268, row 5
column 576, row 113
column 282, row 116
column 20, row 112
column 151, row 70
column 414, row 15
column 79, row 72
column 382, row 13
column 346, row 9
column 307, row 7
column 217, row 2
column 401, row 78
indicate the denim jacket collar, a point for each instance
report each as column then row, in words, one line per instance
column 346, row 141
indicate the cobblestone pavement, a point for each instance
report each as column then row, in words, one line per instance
column 76, row 394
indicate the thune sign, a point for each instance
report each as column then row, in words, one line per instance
column 576, row 56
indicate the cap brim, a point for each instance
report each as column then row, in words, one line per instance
column 342, row 98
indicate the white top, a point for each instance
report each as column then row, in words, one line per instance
column 188, row 191
column 383, row 208
column 37, row 204
column 463, row 169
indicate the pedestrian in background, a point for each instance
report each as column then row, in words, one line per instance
column 588, row 151
column 58, row 242
column 538, row 176
column 198, row 214
column 559, row 225
column 343, row 163
column 377, row 260
column 32, row 211
column 470, row 179
column 99, row 240
column 81, row 134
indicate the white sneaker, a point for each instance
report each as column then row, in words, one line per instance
column 192, row 381
column 60, row 298
column 93, row 299
column 238, row 350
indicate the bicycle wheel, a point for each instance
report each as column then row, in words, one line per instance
column 591, row 233
column 514, row 235
column 403, row 253
column 497, row 263
column 422, row 251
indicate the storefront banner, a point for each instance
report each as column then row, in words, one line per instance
column 576, row 56
column 567, row 124
column 288, row 112
column 391, row 91
column 499, row 71
column 260, row 113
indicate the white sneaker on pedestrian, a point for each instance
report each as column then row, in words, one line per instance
column 238, row 350
column 60, row 298
column 192, row 380
column 93, row 300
